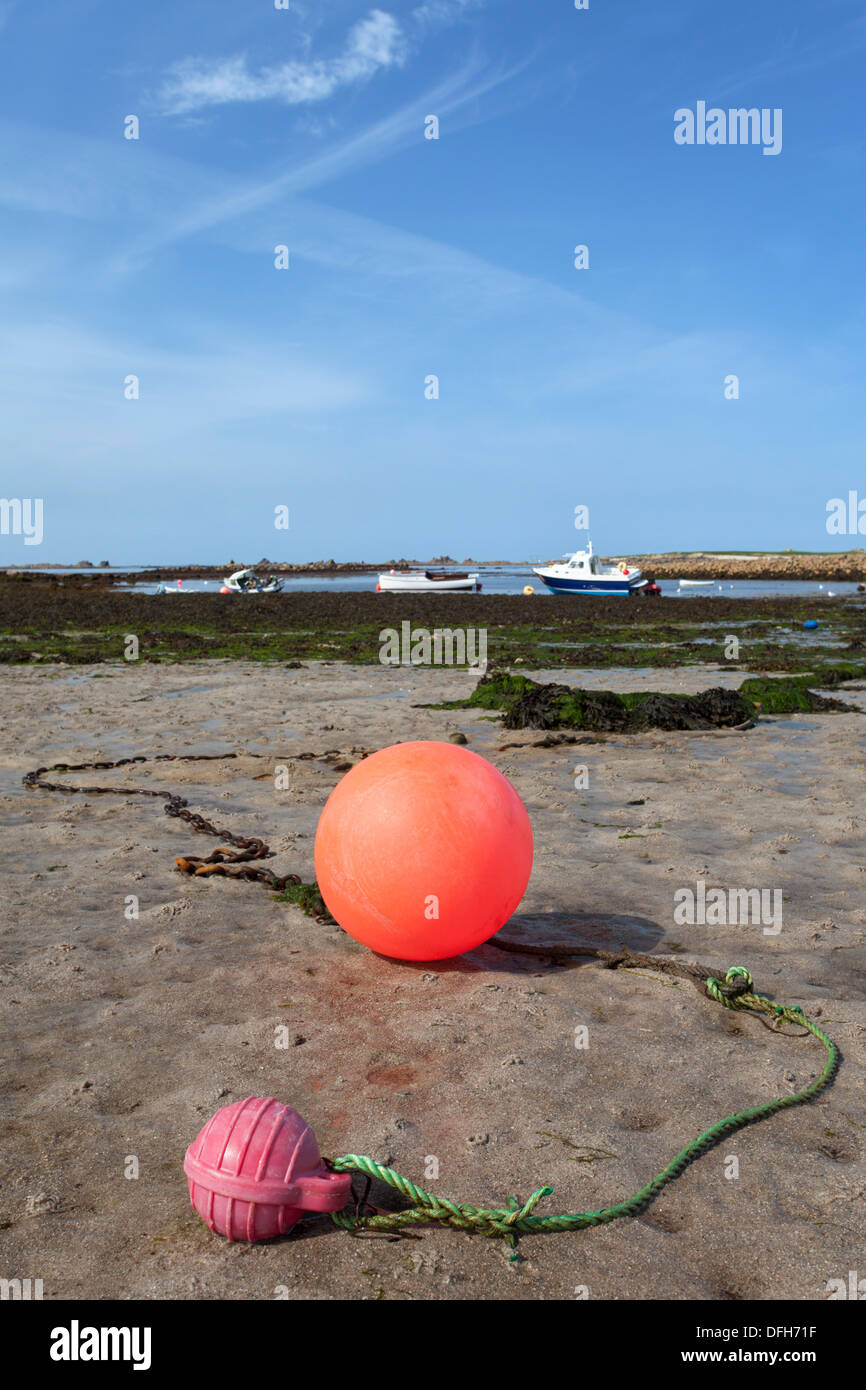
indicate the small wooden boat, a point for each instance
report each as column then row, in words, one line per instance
column 421, row 581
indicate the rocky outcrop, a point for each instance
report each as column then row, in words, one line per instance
column 320, row 566
column 842, row 566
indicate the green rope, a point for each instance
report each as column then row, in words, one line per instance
column 519, row 1218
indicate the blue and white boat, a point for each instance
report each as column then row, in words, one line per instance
column 582, row 573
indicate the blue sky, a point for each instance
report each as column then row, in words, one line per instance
column 412, row 257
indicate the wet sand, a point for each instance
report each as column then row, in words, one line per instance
column 122, row 1037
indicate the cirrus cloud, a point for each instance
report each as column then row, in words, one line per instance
column 374, row 43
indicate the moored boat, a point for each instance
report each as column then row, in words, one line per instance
column 248, row 582
column 421, row 581
column 583, row 573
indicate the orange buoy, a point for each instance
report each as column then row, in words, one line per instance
column 423, row 851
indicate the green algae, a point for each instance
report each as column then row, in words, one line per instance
column 528, row 704
column 795, row 694
column 307, row 897
column 47, row 623
column 524, row 703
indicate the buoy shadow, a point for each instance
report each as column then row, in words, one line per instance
column 557, row 938
column 566, row 931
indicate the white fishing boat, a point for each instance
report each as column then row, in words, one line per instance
column 696, row 583
column 583, row 573
column 428, row 581
column 248, row 582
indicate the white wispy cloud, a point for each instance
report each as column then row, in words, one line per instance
column 793, row 56
column 458, row 92
column 373, row 44
column 437, row 13
column 141, row 200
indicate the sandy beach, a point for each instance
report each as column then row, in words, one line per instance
column 123, row 1036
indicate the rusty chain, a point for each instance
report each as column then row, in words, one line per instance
column 250, row 848
column 247, row 848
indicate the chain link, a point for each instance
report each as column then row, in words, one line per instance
column 247, row 847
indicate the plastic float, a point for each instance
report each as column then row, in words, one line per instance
column 423, row 851
column 255, row 1169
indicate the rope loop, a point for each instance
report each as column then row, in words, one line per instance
column 736, row 990
column 515, row 1219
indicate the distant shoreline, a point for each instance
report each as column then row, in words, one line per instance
column 841, row 566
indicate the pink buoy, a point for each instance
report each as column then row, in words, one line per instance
column 255, row 1169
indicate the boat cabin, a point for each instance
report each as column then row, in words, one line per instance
column 583, row 562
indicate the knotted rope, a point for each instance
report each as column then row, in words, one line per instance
column 519, row 1218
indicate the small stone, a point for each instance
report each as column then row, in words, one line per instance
column 41, row 1204
column 457, row 737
